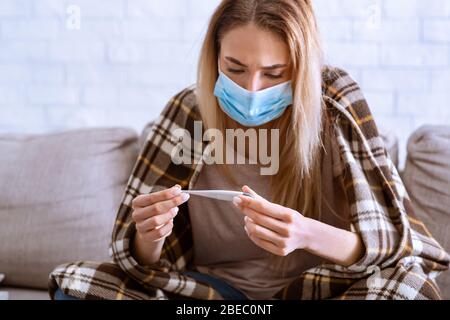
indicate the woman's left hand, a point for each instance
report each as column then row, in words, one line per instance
column 275, row 228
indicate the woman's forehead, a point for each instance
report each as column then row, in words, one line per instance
column 254, row 47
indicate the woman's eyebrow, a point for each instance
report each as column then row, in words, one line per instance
column 236, row 61
column 275, row 66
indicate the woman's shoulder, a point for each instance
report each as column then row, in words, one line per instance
column 182, row 106
column 342, row 95
column 341, row 90
column 185, row 97
column 338, row 83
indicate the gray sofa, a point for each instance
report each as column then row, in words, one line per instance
column 60, row 192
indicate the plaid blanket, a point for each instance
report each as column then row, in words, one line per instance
column 401, row 258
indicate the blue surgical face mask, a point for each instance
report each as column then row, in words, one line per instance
column 252, row 108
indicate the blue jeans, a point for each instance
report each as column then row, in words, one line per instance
column 226, row 291
column 59, row 295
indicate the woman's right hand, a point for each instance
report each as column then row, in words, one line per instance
column 153, row 213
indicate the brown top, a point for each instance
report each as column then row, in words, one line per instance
column 221, row 245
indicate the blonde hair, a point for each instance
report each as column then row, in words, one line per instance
column 297, row 183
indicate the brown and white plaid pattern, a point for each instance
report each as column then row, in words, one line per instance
column 401, row 259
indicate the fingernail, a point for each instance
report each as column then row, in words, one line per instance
column 185, row 196
column 245, row 228
column 176, row 190
column 236, row 201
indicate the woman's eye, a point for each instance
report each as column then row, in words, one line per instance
column 271, row 76
column 235, row 70
column 274, row 76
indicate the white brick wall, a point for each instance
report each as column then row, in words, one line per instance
column 131, row 56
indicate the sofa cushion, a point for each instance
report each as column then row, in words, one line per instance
column 17, row 293
column 59, row 196
column 427, row 179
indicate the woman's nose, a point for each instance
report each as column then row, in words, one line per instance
column 253, row 83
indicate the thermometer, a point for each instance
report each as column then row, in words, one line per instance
column 226, row 195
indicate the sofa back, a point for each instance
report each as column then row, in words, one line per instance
column 427, row 179
column 59, row 195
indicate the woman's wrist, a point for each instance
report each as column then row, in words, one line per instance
column 308, row 238
column 336, row 245
column 146, row 253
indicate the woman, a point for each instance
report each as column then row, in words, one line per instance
column 334, row 221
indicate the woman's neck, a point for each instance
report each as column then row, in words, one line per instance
column 277, row 124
